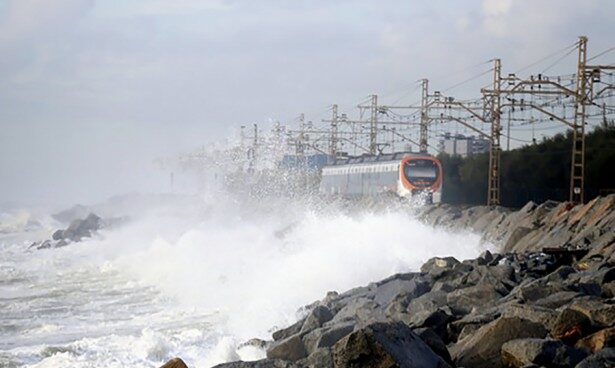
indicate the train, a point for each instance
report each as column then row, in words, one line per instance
column 405, row 174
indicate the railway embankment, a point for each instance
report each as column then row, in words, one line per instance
column 545, row 298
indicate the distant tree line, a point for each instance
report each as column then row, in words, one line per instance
column 536, row 172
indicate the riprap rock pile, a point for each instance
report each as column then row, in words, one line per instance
column 536, row 227
column 511, row 309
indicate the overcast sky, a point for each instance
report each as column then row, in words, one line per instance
column 92, row 91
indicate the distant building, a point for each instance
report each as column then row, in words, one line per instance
column 309, row 162
column 464, row 146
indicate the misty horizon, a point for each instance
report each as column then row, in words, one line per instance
column 94, row 92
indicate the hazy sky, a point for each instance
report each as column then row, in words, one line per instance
column 92, row 91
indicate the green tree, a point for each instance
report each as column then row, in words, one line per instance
column 535, row 172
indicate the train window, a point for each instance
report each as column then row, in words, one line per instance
column 421, row 172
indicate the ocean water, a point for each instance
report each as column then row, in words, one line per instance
column 193, row 277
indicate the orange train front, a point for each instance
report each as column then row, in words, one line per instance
column 405, row 174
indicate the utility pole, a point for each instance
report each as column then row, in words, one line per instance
column 253, row 150
column 582, row 95
column 333, row 138
column 424, row 115
column 495, row 149
column 277, row 130
column 373, row 126
column 255, row 144
column 423, row 123
column 300, row 148
column 577, row 183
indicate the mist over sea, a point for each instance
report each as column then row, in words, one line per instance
column 192, row 276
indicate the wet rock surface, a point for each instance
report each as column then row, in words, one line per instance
column 77, row 230
column 546, row 299
column 385, row 345
column 174, row 363
column 542, row 352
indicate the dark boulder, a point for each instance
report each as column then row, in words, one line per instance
column 76, row 231
column 469, row 323
column 487, row 257
column 57, row 235
column 603, row 359
column 291, row 349
column 608, row 290
column 557, row 299
column 502, row 277
column 428, row 302
column 601, row 314
column 534, row 313
column 437, row 321
column 464, row 300
column 361, row 309
column 601, row 276
column 543, row 352
column 482, row 348
column 560, row 275
column 79, row 229
column 570, row 325
column 385, row 345
column 536, row 290
column 409, row 289
column 321, row 358
column 316, row 318
column 586, row 288
column 326, row 337
column 434, row 341
column 438, row 267
column 288, row 331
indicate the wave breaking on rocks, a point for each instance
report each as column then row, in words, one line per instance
column 545, row 298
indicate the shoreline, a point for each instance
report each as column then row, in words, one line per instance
column 548, row 292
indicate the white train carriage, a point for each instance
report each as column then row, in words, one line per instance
column 405, row 174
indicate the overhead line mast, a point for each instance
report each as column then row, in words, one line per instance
column 424, row 117
column 373, row 126
column 333, row 139
column 493, row 189
column 583, row 97
column 546, row 92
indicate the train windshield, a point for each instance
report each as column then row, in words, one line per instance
column 421, row 172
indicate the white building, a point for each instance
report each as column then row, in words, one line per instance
column 461, row 145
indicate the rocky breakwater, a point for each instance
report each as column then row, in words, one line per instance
column 546, row 299
column 75, row 232
column 549, row 226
